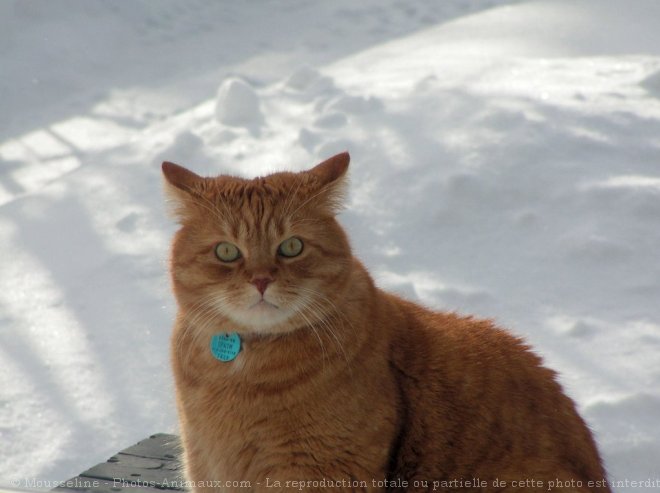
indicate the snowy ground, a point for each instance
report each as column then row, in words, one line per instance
column 506, row 162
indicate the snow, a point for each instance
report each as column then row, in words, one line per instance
column 504, row 163
column 237, row 103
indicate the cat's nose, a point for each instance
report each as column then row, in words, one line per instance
column 262, row 283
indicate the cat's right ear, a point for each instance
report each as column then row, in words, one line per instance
column 181, row 187
column 330, row 177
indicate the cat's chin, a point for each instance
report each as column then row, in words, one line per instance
column 264, row 317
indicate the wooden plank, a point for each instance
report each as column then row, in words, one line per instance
column 157, row 473
column 149, row 466
column 159, row 446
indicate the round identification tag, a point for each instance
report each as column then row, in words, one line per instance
column 225, row 346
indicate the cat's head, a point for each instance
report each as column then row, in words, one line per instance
column 265, row 254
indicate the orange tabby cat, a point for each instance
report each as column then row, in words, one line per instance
column 294, row 372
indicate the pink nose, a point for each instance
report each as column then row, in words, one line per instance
column 262, row 283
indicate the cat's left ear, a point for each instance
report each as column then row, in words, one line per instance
column 180, row 177
column 331, row 178
column 181, row 188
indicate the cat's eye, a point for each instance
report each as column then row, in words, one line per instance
column 291, row 247
column 227, row 252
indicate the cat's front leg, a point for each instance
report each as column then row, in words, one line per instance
column 198, row 477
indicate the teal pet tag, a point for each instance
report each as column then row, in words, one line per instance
column 225, row 346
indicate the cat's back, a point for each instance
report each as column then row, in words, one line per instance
column 480, row 402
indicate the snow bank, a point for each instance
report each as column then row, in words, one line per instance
column 237, row 104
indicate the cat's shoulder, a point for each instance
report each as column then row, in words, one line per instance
column 438, row 324
column 447, row 338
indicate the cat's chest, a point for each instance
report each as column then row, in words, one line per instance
column 231, row 399
column 255, row 418
column 247, row 433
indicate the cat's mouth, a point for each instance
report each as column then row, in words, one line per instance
column 263, row 304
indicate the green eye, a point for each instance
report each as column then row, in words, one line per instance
column 291, row 247
column 227, row 252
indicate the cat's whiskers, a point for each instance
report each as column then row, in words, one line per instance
column 199, row 310
column 339, row 313
column 209, row 308
column 313, row 303
column 321, row 315
column 330, row 329
column 201, row 318
column 190, row 315
column 216, row 308
column 320, row 297
column 300, row 311
column 322, row 191
column 193, row 310
column 206, row 204
column 223, row 215
column 301, row 221
column 205, row 325
column 192, row 326
column 224, row 203
column 316, row 309
column 289, row 198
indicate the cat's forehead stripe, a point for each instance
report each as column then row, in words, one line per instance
column 254, row 215
column 260, row 203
